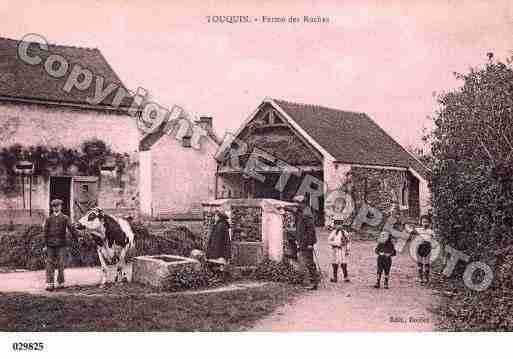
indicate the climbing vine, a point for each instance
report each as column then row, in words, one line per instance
column 86, row 160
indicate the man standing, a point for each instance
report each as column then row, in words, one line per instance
column 306, row 239
column 55, row 241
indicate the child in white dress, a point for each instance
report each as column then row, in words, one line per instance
column 340, row 241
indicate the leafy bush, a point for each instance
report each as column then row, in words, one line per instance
column 472, row 147
column 278, row 272
column 24, row 247
column 189, row 278
column 462, row 309
column 472, row 171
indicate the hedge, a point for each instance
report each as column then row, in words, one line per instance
column 23, row 248
column 472, row 182
column 281, row 272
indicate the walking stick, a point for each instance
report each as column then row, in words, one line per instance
column 317, row 263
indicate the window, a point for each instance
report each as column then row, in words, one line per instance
column 186, row 141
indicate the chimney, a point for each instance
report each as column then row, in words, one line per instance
column 205, row 122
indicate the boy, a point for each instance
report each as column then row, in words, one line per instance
column 55, row 240
column 385, row 251
column 424, row 248
column 340, row 241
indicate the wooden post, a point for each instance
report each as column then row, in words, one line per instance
column 30, row 196
column 281, row 189
column 23, row 189
column 216, row 179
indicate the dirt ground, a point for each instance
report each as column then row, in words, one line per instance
column 358, row 306
column 355, row 306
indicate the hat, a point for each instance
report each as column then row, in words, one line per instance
column 299, row 199
column 56, row 202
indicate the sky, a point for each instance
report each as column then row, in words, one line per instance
column 387, row 59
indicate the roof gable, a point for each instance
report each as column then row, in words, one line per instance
column 269, row 131
column 21, row 81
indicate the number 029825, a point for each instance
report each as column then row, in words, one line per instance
column 27, row 346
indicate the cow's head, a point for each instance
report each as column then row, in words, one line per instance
column 93, row 222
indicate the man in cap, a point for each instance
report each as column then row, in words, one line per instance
column 55, row 241
column 306, row 239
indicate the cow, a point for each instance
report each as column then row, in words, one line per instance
column 113, row 237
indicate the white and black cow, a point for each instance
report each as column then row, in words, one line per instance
column 113, row 237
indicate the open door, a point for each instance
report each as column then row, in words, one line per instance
column 85, row 195
column 60, row 188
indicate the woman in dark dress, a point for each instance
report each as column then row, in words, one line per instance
column 219, row 245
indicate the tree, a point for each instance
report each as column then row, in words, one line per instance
column 472, row 148
column 424, row 156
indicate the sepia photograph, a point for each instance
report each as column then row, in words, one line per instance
column 257, row 167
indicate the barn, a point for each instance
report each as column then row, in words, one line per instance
column 286, row 148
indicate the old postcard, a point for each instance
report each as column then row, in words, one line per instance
column 332, row 166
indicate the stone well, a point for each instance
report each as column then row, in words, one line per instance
column 154, row 270
column 258, row 227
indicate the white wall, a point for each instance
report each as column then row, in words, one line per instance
column 182, row 178
column 60, row 126
column 145, row 180
column 32, row 125
column 272, row 234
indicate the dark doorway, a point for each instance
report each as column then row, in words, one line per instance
column 60, row 187
column 266, row 189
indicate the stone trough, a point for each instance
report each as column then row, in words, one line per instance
column 155, row 270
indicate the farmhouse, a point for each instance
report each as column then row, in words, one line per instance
column 56, row 143
column 176, row 177
column 314, row 150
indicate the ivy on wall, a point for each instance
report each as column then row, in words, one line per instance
column 88, row 160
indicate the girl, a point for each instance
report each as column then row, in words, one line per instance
column 340, row 241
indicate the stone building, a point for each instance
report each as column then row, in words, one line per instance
column 285, row 148
column 46, row 124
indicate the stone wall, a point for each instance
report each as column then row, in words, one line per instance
column 414, row 197
column 246, row 224
column 382, row 189
column 117, row 195
column 30, row 124
column 121, row 191
column 58, row 126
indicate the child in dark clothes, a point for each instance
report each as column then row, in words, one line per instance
column 425, row 240
column 385, row 251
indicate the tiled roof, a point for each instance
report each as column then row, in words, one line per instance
column 351, row 137
column 148, row 140
column 21, row 81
